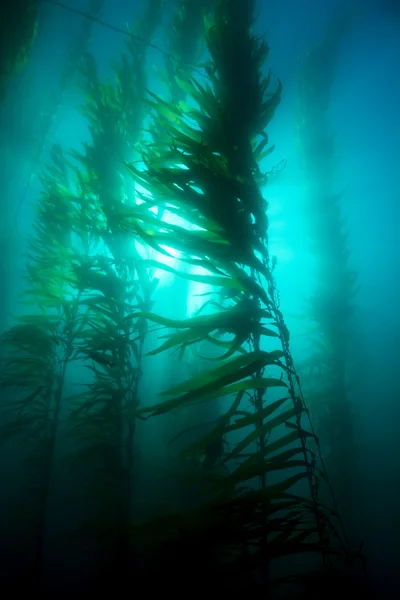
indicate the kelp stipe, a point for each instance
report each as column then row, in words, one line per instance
column 208, row 169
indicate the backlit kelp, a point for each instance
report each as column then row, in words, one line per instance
column 171, row 184
column 81, row 281
column 17, row 125
column 207, row 169
column 185, row 43
column 36, row 353
column 50, row 108
column 113, row 282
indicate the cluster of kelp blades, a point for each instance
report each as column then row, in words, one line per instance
column 202, row 164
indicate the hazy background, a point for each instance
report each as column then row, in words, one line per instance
column 365, row 120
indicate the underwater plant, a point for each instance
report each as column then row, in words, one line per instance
column 49, row 111
column 206, row 168
column 259, row 521
column 17, row 125
column 184, row 43
column 113, row 281
column 89, row 276
column 35, row 355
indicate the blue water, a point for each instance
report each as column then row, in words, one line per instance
column 363, row 116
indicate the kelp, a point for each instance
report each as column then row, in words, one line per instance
column 112, row 281
column 36, row 353
column 102, row 419
column 48, row 112
column 185, row 43
column 209, row 169
column 257, row 468
column 80, row 278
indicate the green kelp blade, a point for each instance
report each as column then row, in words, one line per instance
column 190, row 336
column 271, row 492
column 258, row 470
column 254, row 418
column 262, row 430
column 216, row 433
column 212, row 382
column 227, row 282
column 249, row 384
column 210, row 322
column 228, row 367
column 282, row 442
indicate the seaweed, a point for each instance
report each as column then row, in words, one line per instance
column 185, row 43
column 102, row 422
column 36, row 354
column 83, row 279
column 208, row 171
column 256, row 469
